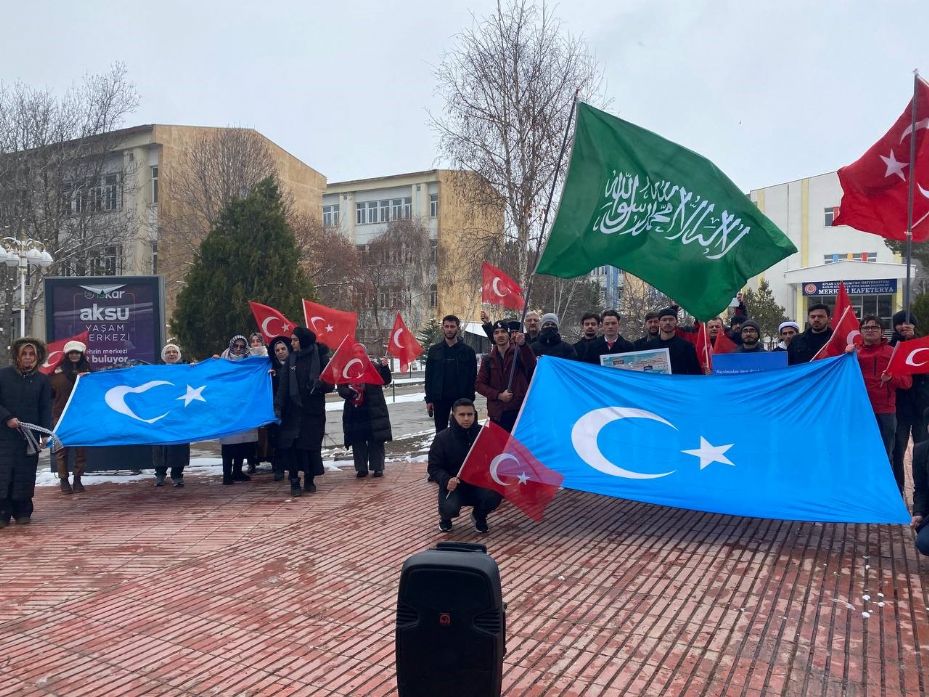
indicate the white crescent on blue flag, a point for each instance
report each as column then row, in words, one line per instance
column 799, row 443
column 168, row 404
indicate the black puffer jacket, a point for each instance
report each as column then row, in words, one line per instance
column 371, row 420
column 550, row 344
column 449, row 449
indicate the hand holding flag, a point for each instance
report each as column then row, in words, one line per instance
column 910, row 357
column 350, row 364
column 271, row 322
column 497, row 288
column 845, row 333
column 403, row 345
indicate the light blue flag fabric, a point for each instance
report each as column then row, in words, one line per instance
column 168, row 404
column 799, row 443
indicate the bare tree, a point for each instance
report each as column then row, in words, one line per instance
column 62, row 180
column 331, row 260
column 638, row 298
column 508, row 89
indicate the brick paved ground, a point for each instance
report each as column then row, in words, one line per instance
column 131, row 590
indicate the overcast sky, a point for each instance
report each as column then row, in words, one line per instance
column 770, row 91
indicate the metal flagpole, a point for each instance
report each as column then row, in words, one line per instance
column 910, row 193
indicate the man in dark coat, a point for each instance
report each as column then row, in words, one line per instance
column 920, row 521
column 25, row 397
column 366, row 421
column 446, row 455
column 807, row 344
column 550, row 342
column 651, row 331
column 451, row 366
column 503, row 384
column 751, row 338
column 590, row 326
column 611, row 341
column 682, row 353
column 911, row 403
column 300, row 403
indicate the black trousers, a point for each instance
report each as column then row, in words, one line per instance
column 482, row 500
column 368, row 454
column 234, row 455
column 298, row 460
column 14, row 508
column 507, row 420
column 906, row 425
column 440, row 412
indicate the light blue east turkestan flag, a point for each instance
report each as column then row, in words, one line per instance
column 166, row 404
column 799, row 443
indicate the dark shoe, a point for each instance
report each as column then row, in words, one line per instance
column 24, row 520
column 66, row 486
column 378, row 473
column 228, row 480
column 279, row 476
column 309, row 488
column 178, row 482
column 78, row 487
column 445, row 525
column 159, row 480
column 480, row 524
column 251, row 468
column 361, row 475
column 295, row 490
column 240, row 476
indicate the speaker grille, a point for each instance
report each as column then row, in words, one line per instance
column 489, row 621
column 406, row 615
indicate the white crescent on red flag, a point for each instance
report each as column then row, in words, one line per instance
column 347, row 366
column 271, row 322
column 910, row 357
column 403, row 345
column 331, row 326
column 845, row 332
column 55, row 352
column 497, row 288
column 841, row 303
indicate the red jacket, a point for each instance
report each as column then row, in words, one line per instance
column 873, row 361
column 494, row 374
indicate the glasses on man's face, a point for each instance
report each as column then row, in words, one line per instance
column 871, row 328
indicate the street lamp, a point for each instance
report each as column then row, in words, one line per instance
column 22, row 253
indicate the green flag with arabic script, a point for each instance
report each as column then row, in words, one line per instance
column 659, row 211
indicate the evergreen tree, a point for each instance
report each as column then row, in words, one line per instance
column 250, row 254
column 762, row 308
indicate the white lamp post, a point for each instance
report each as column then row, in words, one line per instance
column 22, row 253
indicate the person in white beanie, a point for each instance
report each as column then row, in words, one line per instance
column 177, row 457
column 75, row 363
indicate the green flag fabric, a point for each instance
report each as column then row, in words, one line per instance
column 659, row 211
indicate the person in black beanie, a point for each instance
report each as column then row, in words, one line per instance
column 300, row 403
column 682, row 353
column 911, row 403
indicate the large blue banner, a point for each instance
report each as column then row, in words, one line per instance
column 167, row 404
column 800, row 443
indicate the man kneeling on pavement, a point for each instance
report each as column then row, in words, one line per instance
column 446, row 455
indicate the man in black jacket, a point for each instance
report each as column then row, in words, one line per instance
column 651, row 331
column 550, row 342
column 590, row 325
column 920, row 522
column 451, row 368
column 806, row 345
column 751, row 338
column 910, row 403
column 682, row 353
column 446, row 455
column 611, row 341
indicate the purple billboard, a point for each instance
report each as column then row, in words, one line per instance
column 123, row 316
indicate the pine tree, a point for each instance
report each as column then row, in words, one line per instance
column 762, row 308
column 250, row 254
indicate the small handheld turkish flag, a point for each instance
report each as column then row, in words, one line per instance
column 841, row 303
column 704, row 348
column 271, row 322
column 910, row 357
column 56, row 349
column 350, row 364
column 875, row 188
column 499, row 289
column 403, row 345
column 500, row 462
column 845, row 333
column 331, row 326
column 722, row 343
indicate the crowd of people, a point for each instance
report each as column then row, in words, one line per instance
column 453, row 376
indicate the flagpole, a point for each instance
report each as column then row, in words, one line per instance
column 910, row 193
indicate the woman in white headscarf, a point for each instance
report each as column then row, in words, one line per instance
column 239, row 446
column 177, row 457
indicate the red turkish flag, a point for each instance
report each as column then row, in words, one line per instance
column 909, row 357
column 55, row 352
column 846, row 332
column 403, row 344
column 271, row 323
column 500, row 462
column 841, row 302
column 723, row 343
column 330, row 326
column 875, row 187
column 499, row 289
column 704, row 348
column 350, row 364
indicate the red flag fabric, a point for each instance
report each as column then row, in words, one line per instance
column 723, row 343
column 403, row 345
column 704, row 349
column 499, row 289
column 271, row 322
column 500, row 462
column 846, row 332
column 910, row 357
column 331, row 326
column 841, row 302
column 875, row 187
column 350, row 364
column 56, row 352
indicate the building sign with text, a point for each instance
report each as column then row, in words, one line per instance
column 123, row 315
column 882, row 286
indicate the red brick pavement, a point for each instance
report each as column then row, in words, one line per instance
column 212, row 590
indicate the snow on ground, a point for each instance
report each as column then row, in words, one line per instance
column 415, row 397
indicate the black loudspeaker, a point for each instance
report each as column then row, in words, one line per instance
column 451, row 623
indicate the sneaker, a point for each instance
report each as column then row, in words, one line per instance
column 361, row 475
column 480, row 524
column 445, row 525
column 24, row 520
column 178, row 482
column 378, row 473
column 159, row 480
column 241, row 477
column 66, row 486
column 295, row 490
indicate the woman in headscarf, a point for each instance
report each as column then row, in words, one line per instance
column 256, row 347
column 177, row 457
column 239, row 446
column 365, row 420
column 62, row 381
column 301, row 405
column 25, row 397
column 279, row 350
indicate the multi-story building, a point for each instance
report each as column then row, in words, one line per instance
column 804, row 210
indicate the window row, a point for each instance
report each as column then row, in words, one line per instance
column 331, row 215
column 850, row 256
column 382, row 211
column 101, row 194
column 107, row 263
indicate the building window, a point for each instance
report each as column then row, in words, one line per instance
column 870, row 257
column 433, row 205
column 359, row 214
column 407, row 208
column 107, row 263
column 154, row 257
column 331, row 215
column 154, row 185
column 111, row 193
column 372, row 211
column 433, row 296
column 396, row 207
column 830, row 214
column 434, row 245
column 384, row 211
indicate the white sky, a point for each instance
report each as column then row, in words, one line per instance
column 770, row 91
